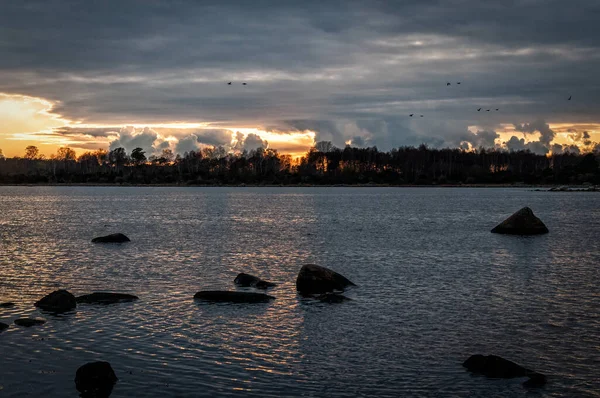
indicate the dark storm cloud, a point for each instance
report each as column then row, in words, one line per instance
column 349, row 70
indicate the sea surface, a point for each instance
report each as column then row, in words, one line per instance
column 434, row 287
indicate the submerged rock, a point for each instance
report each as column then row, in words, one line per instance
column 7, row 305
column 314, row 279
column 232, row 297
column 95, row 379
column 523, row 222
column 112, row 238
column 247, row 280
column 28, row 322
column 3, row 326
column 105, row 298
column 333, row 298
column 498, row 367
column 58, row 301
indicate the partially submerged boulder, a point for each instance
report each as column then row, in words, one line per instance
column 333, row 298
column 28, row 322
column 7, row 304
column 232, row 297
column 247, row 280
column 112, row 238
column 498, row 367
column 105, row 298
column 314, row 279
column 95, row 379
column 523, row 222
column 3, row 326
column 58, row 301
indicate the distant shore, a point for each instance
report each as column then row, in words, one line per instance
column 574, row 188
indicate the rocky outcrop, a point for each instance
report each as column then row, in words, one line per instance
column 3, row 326
column 314, row 279
column 247, row 280
column 58, row 301
column 112, row 238
column 498, row 367
column 523, row 222
column 95, row 379
column 28, row 322
column 232, row 297
column 7, row 305
column 105, row 298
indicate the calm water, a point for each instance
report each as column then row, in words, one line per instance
column 434, row 287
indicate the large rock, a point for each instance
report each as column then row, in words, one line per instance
column 498, row 367
column 523, row 222
column 247, row 280
column 112, row 238
column 7, row 305
column 95, row 379
column 314, row 279
column 28, row 322
column 58, row 301
column 3, row 326
column 105, row 298
column 232, row 297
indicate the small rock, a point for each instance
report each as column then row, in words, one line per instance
column 333, row 298
column 498, row 367
column 95, row 379
column 232, row 297
column 112, row 238
column 247, row 280
column 523, row 222
column 58, row 301
column 3, row 326
column 105, row 298
column 7, row 305
column 28, row 322
column 314, row 279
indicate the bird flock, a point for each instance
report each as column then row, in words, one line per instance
column 478, row 109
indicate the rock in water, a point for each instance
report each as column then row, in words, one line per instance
column 314, row 279
column 28, row 322
column 523, row 222
column 105, row 298
column 498, row 367
column 7, row 305
column 3, row 326
column 232, row 297
column 112, row 238
column 95, row 379
column 333, row 298
column 247, row 280
column 58, row 301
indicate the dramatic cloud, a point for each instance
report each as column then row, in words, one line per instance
column 349, row 71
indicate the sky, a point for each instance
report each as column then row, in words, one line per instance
column 154, row 74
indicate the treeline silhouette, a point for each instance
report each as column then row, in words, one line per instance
column 324, row 164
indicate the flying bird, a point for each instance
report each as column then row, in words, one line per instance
column 478, row 109
column 411, row 115
column 457, row 82
column 487, row 110
column 421, row 115
column 448, row 83
column 244, row 84
column 569, row 98
column 497, row 109
column 229, row 83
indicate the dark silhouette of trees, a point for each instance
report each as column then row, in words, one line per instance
column 32, row 152
column 138, row 156
column 323, row 164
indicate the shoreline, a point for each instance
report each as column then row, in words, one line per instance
column 574, row 188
